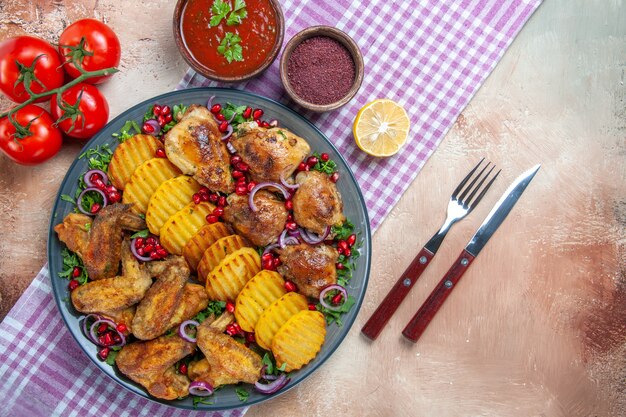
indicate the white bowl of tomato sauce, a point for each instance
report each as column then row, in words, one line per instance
column 229, row 40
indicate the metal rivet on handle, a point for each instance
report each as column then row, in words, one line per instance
column 423, row 260
column 464, row 261
column 406, row 282
column 448, row 284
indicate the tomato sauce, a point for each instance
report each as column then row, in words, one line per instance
column 258, row 34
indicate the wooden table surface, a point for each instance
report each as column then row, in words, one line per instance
column 538, row 325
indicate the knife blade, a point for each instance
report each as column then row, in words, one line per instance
column 417, row 325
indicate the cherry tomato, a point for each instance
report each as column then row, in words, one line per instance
column 84, row 120
column 100, row 42
column 35, row 141
column 37, row 59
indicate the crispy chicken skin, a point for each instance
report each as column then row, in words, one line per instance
column 193, row 301
column 312, row 268
column 110, row 296
column 102, row 255
column 317, row 203
column 74, row 232
column 161, row 301
column 195, row 146
column 260, row 227
column 270, row 153
column 151, row 364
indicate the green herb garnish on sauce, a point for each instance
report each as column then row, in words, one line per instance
column 238, row 14
column 230, row 47
column 222, row 10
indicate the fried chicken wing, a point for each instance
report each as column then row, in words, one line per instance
column 270, row 153
column 193, row 301
column 195, row 146
column 151, row 364
column 161, row 301
column 110, row 296
column 102, row 255
column 260, row 227
column 74, row 232
column 317, row 203
column 312, row 268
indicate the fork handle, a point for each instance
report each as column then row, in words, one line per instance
column 427, row 311
column 394, row 298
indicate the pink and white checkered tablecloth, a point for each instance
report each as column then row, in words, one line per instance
column 430, row 56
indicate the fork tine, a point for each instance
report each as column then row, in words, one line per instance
column 467, row 177
column 484, row 191
column 471, row 184
column 466, row 201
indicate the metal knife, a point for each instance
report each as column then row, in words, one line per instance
column 427, row 311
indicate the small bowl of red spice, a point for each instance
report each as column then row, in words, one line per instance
column 321, row 68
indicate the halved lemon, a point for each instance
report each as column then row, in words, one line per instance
column 381, row 127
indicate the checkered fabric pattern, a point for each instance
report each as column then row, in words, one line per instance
column 430, row 56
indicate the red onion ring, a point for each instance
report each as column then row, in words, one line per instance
column 86, row 332
column 79, row 201
column 88, row 174
column 111, row 323
column 133, row 249
column 182, row 330
column 232, row 118
column 266, row 376
column 270, row 248
column 284, row 182
column 312, row 238
column 265, row 185
column 272, row 387
column 209, row 102
column 325, row 291
column 231, row 148
column 273, row 123
column 228, row 133
column 283, row 240
column 294, row 233
column 200, row 389
column 156, row 128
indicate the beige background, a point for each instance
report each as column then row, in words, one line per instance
column 538, row 325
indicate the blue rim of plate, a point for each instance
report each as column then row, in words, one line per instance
column 62, row 208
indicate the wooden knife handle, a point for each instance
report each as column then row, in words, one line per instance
column 394, row 298
column 427, row 311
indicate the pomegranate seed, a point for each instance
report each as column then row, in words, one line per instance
column 196, row 198
column 160, row 153
column 247, row 113
column 156, row 109
column 337, row 299
column 334, row 177
column 109, row 189
column 237, row 327
column 302, row 166
column 277, row 262
column 311, row 161
column 95, row 207
column 220, row 117
column 162, row 253
column 168, row 118
column 230, row 307
column 324, row 157
column 312, row 307
column 223, row 126
column 214, row 198
column 339, row 266
column 218, row 211
column 342, row 244
column 116, row 338
column 114, row 197
column 151, row 241
column 241, row 180
column 204, row 197
column 108, row 339
column 103, row 328
column 290, row 286
column 99, row 184
column 234, row 160
column 139, row 242
column 73, row 285
column 290, row 217
column 76, row 272
column 266, row 256
column 289, row 205
column 229, row 330
column 347, row 252
column 95, row 176
column 251, row 185
column 243, row 167
column 122, row 328
column 161, row 121
column 237, row 174
column 212, row 218
column 222, row 201
column 147, row 128
column 268, row 264
column 265, row 124
column 291, row 226
column 104, row 353
column 351, row 240
column 250, row 337
column 241, row 189
column 141, row 252
column 257, row 114
column 165, row 110
column 148, row 248
column 258, row 122
column 216, row 108
column 154, row 254
column 182, row 368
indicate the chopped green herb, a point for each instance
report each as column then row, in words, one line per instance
column 329, row 167
column 238, row 14
column 112, row 355
column 142, row 233
column 335, row 316
column 200, row 400
column 219, row 10
column 230, row 47
column 281, row 133
column 215, row 308
column 70, row 261
column 149, row 114
column 179, row 109
column 242, row 393
column 87, row 227
column 67, row 198
column 230, row 109
column 344, row 231
column 130, row 129
column 98, row 157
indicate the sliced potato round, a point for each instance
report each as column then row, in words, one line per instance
column 180, row 227
column 299, row 340
column 277, row 314
column 218, row 251
column 205, row 237
column 258, row 293
column 129, row 155
column 171, row 196
column 227, row 279
column 145, row 180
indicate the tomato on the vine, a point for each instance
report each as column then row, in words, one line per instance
column 31, row 61
column 34, row 141
column 93, row 45
column 80, row 118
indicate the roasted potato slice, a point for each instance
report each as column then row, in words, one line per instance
column 277, row 314
column 218, row 251
column 227, row 279
column 299, row 340
column 258, row 293
column 129, row 155
column 180, row 227
column 171, row 196
column 205, row 237
column 145, row 181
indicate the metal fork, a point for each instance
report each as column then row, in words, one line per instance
column 464, row 199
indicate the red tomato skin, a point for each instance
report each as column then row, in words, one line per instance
column 43, row 144
column 25, row 49
column 99, row 39
column 93, row 105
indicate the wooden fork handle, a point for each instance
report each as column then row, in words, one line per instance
column 435, row 300
column 394, row 298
